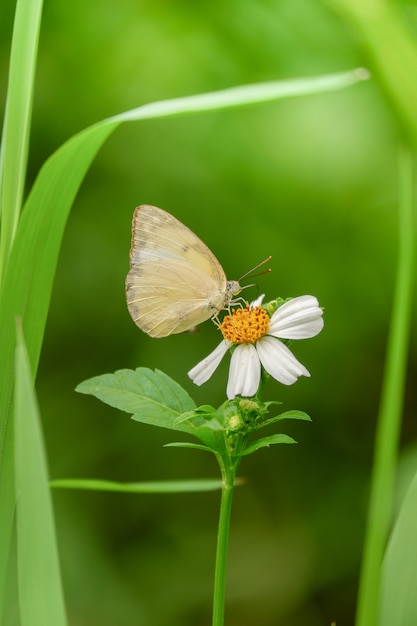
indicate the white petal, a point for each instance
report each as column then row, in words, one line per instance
column 203, row 370
column 299, row 318
column 245, row 372
column 279, row 361
column 258, row 301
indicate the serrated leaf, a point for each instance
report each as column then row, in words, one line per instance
column 157, row 486
column 152, row 397
column 265, row 442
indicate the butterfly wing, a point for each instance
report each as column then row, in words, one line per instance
column 175, row 282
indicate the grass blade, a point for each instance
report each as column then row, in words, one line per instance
column 16, row 129
column 25, row 292
column 396, row 64
column 41, row 598
column 245, row 95
column 155, row 486
column 389, row 419
column 399, row 574
column 13, row 163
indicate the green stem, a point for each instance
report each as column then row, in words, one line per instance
column 390, row 412
column 222, row 544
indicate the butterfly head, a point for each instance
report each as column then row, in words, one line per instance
column 233, row 288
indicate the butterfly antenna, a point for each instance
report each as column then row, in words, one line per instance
column 255, row 268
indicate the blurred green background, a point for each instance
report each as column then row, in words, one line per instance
column 312, row 181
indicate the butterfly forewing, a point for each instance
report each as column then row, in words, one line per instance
column 175, row 281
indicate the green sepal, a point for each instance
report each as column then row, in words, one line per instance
column 265, row 442
column 271, row 306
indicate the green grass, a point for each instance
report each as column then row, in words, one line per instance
column 390, row 414
column 41, row 598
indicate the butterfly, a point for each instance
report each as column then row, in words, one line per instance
column 175, row 282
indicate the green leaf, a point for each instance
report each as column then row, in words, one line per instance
column 390, row 412
column 13, row 165
column 272, row 403
column 27, row 284
column 265, row 442
column 41, row 597
column 188, row 444
column 245, row 95
column 294, row 415
column 158, row 486
column 153, row 397
column 17, row 120
column 398, row 599
column 203, row 412
column 198, row 419
column 288, row 415
column 396, row 65
column 205, row 426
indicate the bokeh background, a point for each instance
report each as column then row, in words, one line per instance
column 312, row 181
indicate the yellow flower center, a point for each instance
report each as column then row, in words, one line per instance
column 245, row 325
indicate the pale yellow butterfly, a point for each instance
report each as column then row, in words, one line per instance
column 175, row 282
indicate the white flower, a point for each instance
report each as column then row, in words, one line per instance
column 257, row 337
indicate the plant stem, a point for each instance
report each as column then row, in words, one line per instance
column 222, row 544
